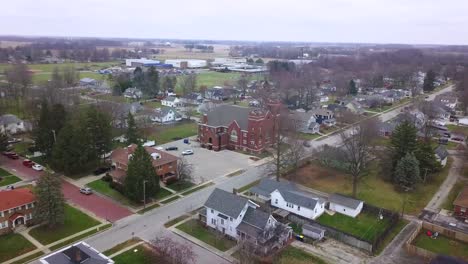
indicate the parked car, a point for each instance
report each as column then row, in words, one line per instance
column 6, row 153
column 159, row 148
column 28, row 163
column 86, row 191
column 13, row 155
column 186, row 141
column 14, row 140
column 37, row 167
column 101, row 170
column 306, row 144
column 187, row 152
column 172, row 148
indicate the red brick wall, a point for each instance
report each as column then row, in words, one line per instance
column 7, row 215
column 167, row 168
column 459, row 213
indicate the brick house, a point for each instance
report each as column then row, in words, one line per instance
column 165, row 164
column 235, row 127
column 460, row 205
column 16, row 209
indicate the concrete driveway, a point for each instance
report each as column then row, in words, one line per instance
column 209, row 164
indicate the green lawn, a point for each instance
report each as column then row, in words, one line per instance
column 29, row 258
column 170, row 199
column 180, row 185
column 121, row 246
column 372, row 188
column 4, row 172
column 153, row 104
column 162, row 193
column 197, row 188
column 80, row 237
column 442, row 245
column 292, row 255
column 113, row 98
column 458, row 129
column 248, row 186
column 13, row 245
column 103, row 188
column 365, row 226
column 296, row 228
column 395, row 231
column 148, row 208
column 195, row 229
column 22, row 148
column 49, row 67
column 137, row 255
column 168, row 133
column 7, row 180
column 75, row 221
column 448, row 203
column 176, row 220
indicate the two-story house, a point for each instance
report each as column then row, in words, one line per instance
column 241, row 219
column 164, row 164
column 325, row 117
column 133, row 93
column 16, row 209
column 165, row 115
column 236, row 127
column 171, row 101
column 286, row 196
column 305, row 122
column 11, row 124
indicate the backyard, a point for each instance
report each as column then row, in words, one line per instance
column 365, row 226
column 197, row 230
column 372, row 188
column 442, row 245
column 166, row 133
column 13, row 245
column 456, row 189
column 75, row 221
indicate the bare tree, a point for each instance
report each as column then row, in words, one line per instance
column 184, row 170
column 357, row 147
column 246, row 252
column 189, row 112
column 295, row 153
column 188, row 84
column 283, row 130
column 172, row 251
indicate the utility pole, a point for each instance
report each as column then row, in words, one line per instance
column 144, row 195
column 55, row 137
column 425, row 175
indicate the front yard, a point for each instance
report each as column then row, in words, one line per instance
column 13, row 245
column 442, row 245
column 7, row 178
column 365, row 226
column 292, row 255
column 75, row 221
column 372, row 189
column 197, row 230
column 138, row 255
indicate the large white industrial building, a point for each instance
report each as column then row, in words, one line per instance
column 186, row 63
column 139, row 62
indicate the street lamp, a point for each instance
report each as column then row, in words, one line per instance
column 144, row 194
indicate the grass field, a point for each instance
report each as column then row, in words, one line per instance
column 13, row 245
column 365, row 226
column 75, row 221
column 173, row 198
column 448, row 203
column 176, row 220
column 292, row 255
column 458, row 129
column 211, row 78
column 195, row 229
column 153, row 104
column 395, row 231
column 29, row 258
column 197, row 188
column 138, row 255
column 372, row 188
column 113, row 98
column 121, row 246
column 442, row 245
column 80, row 237
column 180, row 185
column 7, row 178
column 166, row 133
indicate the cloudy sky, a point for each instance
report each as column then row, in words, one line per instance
column 375, row 21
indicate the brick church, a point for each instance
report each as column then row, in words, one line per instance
column 235, row 127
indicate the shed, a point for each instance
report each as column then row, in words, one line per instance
column 345, row 205
column 314, row 232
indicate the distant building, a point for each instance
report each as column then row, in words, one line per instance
column 166, row 115
column 11, row 124
column 187, row 63
column 192, row 98
column 78, row 253
column 171, row 101
column 88, row 82
column 140, row 62
column 133, row 93
column 16, row 209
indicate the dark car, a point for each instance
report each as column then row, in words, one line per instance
column 176, row 138
column 11, row 155
column 172, row 148
column 101, row 170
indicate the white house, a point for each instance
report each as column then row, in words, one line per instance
column 314, row 232
column 345, row 205
column 324, row 99
column 305, row 122
column 441, row 155
column 240, row 218
column 166, row 115
column 287, row 197
column 12, row 125
column 186, row 63
column 133, row 93
column 171, row 101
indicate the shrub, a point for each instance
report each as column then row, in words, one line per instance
column 107, row 178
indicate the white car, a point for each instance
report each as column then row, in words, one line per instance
column 86, row 191
column 159, row 148
column 37, row 167
column 187, row 152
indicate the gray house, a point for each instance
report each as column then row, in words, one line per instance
column 305, row 122
column 11, row 124
column 313, row 232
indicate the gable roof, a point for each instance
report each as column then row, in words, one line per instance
column 266, row 186
column 344, row 200
column 256, row 218
column 121, row 155
column 165, row 110
column 170, row 99
column 462, row 198
column 224, row 115
column 14, row 198
column 85, row 253
column 299, row 198
column 441, row 152
column 226, row 202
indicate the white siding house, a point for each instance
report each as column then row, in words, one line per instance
column 12, row 125
column 441, row 155
column 166, row 115
column 171, row 101
column 345, row 205
column 300, row 205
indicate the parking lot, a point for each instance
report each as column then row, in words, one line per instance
column 209, row 164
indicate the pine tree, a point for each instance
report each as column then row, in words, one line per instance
column 43, row 136
column 50, row 203
column 98, row 125
column 403, row 140
column 140, row 170
column 352, row 88
column 428, row 84
column 132, row 134
column 407, row 172
column 3, row 141
column 151, row 82
column 426, row 157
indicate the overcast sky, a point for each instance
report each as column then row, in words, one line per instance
column 375, row 21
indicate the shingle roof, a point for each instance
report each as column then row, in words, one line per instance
column 256, row 218
column 14, row 198
column 344, row 200
column 170, row 99
column 121, row 155
column 462, row 198
column 299, row 198
column 85, row 252
column 267, row 186
column 312, row 228
column 226, row 202
column 9, row 119
column 225, row 114
column 441, row 152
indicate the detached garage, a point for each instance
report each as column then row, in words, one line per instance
column 314, row 232
column 345, row 205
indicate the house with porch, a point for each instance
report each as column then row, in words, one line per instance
column 164, row 164
column 305, row 122
column 236, row 127
column 16, row 209
column 241, row 219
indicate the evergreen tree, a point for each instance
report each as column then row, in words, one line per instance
column 403, row 140
column 3, row 141
column 132, row 134
column 352, row 88
column 140, row 170
column 57, row 119
column 50, row 202
column 407, row 172
column 426, row 157
column 43, row 136
column 139, row 78
column 428, row 84
column 151, row 87
column 98, row 125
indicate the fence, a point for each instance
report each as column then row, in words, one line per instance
column 352, row 240
column 453, row 234
column 414, row 250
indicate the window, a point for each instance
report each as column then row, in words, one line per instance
column 344, row 210
column 234, row 135
column 3, row 224
column 212, row 211
column 1, row 214
column 213, row 221
column 238, row 233
column 230, row 218
column 222, row 221
column 298, row 208
column 315, row 210
column 276, row 201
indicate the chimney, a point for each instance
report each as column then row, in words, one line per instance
column 77, row 256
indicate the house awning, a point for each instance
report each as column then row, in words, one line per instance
column 15, row 216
